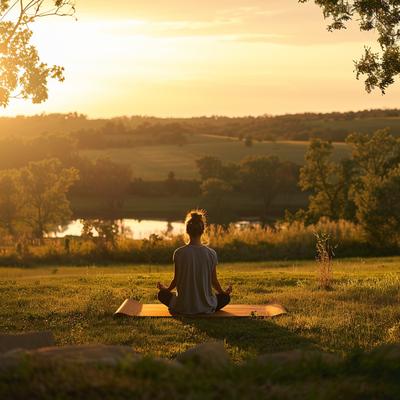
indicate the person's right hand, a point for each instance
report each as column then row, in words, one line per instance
column 228, row 290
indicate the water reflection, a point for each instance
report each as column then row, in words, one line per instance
column 139, row 229
column 133, row 228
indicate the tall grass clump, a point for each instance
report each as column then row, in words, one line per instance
column 325, row 253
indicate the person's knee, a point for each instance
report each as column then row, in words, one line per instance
column 227, row 299
column 161, row 295
column 164, row 296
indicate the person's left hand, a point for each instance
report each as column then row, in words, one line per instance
column 228, row 290
column 160, row 286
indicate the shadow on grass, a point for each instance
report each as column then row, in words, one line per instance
column 253, row 336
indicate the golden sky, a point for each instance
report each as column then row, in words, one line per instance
column 189, row 58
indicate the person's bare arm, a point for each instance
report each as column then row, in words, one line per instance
column 217, row 285
column 171, row 286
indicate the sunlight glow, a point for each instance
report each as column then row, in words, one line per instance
column 244, row 60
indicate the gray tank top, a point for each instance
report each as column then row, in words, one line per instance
column 194, row 266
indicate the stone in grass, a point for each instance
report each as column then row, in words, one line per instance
column 387, row 352
column 209, row 354
column 82, row 354
column 295, row 357
column 26, row 341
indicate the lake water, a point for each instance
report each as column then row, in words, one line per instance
column 134, row 228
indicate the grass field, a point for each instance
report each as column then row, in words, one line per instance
column 76, row 304
column 154, row 162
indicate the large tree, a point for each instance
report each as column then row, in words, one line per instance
column 375, row 154
column 264, row 177
column 382, row 16
column 45, row 185
column 328, row 181
column 22, row 73
column 11, row 201
column 215, row 192
column 378, row 208
column 376, row 185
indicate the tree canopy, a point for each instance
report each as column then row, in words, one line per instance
column 382, row 16
column 22, row 73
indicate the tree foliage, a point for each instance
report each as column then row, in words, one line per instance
column 215, row 191
column 45, row 185
column 22, row 73
column 265, row 177
column 10, row 200
column 365, row 187
column 327, row 180
column 382, row 16
column 378, row 208
column 376, row 188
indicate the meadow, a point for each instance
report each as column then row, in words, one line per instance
column 359, row 314
column 154, row 162
column 77, row 305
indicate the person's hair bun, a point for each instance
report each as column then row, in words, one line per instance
column 195, row 222
column 196, row 216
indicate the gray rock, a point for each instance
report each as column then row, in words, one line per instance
column 27, row 341
column 387, row 352
column 206, row 354
column 298, row 356
column 83, row 354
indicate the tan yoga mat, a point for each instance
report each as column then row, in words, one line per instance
column 133, row 308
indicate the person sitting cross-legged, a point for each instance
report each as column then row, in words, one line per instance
column 195, row 275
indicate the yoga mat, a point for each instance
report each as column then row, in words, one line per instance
column 133, row 308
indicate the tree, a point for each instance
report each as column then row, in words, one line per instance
column 376, row 185
column 10, row 200
column 378, row 208
column 209, row 167
column 45, row 185
column 248, row 141
column 328, row 181
column 171, row 184
column 382, row 16
column 262, row 177
column 375, row 154
column 109, row 180
column 22, row 73
column 215, row 191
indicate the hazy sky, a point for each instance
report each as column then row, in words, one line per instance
column 184, row 58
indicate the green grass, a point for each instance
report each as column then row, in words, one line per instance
column 154, row 162
column 76, row 303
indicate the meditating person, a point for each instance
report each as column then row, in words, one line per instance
column 195, row 274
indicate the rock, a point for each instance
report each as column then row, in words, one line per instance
column 27, row 341
column 387, row 352
column 292, row 357
column 82, row 354
column 206, row 354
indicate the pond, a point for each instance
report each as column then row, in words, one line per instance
column 135, row 228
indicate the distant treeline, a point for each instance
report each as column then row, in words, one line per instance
column 143, row 130
column 263, row 178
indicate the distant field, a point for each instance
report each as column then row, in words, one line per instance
column 154, row 162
